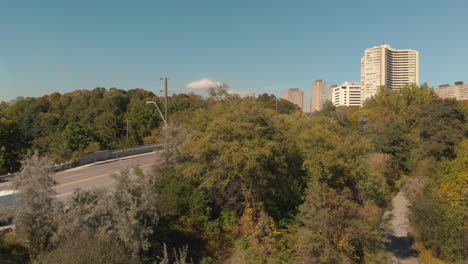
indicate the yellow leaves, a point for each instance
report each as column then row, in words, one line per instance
column 378, row 162
column 455, row 189
column 363, row 115
column 344, row 243
column 249, row 224
column 426, row 256
column 258, row 227
column 454, row 185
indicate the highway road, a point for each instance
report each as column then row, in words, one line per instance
column 95, row 175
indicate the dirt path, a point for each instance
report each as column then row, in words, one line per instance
column 399, row 243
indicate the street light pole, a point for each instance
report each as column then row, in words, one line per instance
column 162, row 117
column 157, row 107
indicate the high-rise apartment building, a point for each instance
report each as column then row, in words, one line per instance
column 457, row 91
column 386, row 66
column 319, row 95
column 330, row 93
column 295, row 96
column 347, row 94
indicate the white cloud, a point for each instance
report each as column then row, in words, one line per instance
column 204, row 84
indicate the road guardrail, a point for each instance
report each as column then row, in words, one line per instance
column 98, row 156
column 4, row 178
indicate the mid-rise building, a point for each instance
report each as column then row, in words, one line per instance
column 318, row 96
column 457, row 91
column 295, row 96
column 386, row 66
column 347, row 94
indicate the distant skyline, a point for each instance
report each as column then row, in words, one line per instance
column 253, row 46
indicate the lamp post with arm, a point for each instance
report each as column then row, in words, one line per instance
column 165, row 125
column 157, row 107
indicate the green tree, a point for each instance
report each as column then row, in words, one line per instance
column 441, row 125
column 402, row 104
column 11, row 251
column 107, row 128
column 395, row 140
column 453, row 185
column 439, row 226
column 76, row 137
column 242, row 162
column 88, row 248
column 142, row 119
column 280, row 105
column 24, row 113
column 9, row 146
column 117, row 99
column 330, row 229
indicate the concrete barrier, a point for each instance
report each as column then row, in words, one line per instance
column 94, row 157
column 4, row 178
column 7, row 227
column 61, row 167
column 100, row 156
column 117, row 153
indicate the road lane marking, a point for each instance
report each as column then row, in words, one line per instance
column 108, row 161
column 96, row 177
column 82, row 180
column 83, row 173
column 7, row 192
column 63, row 194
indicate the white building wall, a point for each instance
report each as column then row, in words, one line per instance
column 386, row 66
column 347, row 94
column 458, row 92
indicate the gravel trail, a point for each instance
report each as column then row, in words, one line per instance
column 399, row 243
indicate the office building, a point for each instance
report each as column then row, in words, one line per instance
column 457, row 91
column 347, row 94
column 295, row 96
column 386, row 66
column 318, row 96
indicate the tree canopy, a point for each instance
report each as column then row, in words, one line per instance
column 245, row 180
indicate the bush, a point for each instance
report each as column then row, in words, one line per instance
column 439, row 226
column 86, row 249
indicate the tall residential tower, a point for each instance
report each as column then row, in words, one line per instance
column 386, row 66
column 319, row 95
column 295, row 96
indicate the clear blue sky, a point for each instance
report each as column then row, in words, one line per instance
column 264, row 46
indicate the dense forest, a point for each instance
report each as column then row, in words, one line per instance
column 245, row 180
column 66, row 127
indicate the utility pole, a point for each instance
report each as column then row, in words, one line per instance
column 165, row 97
column 127, row 129
column 165, row 117
column 276, row 104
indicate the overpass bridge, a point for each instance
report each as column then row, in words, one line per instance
column 87, row 177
